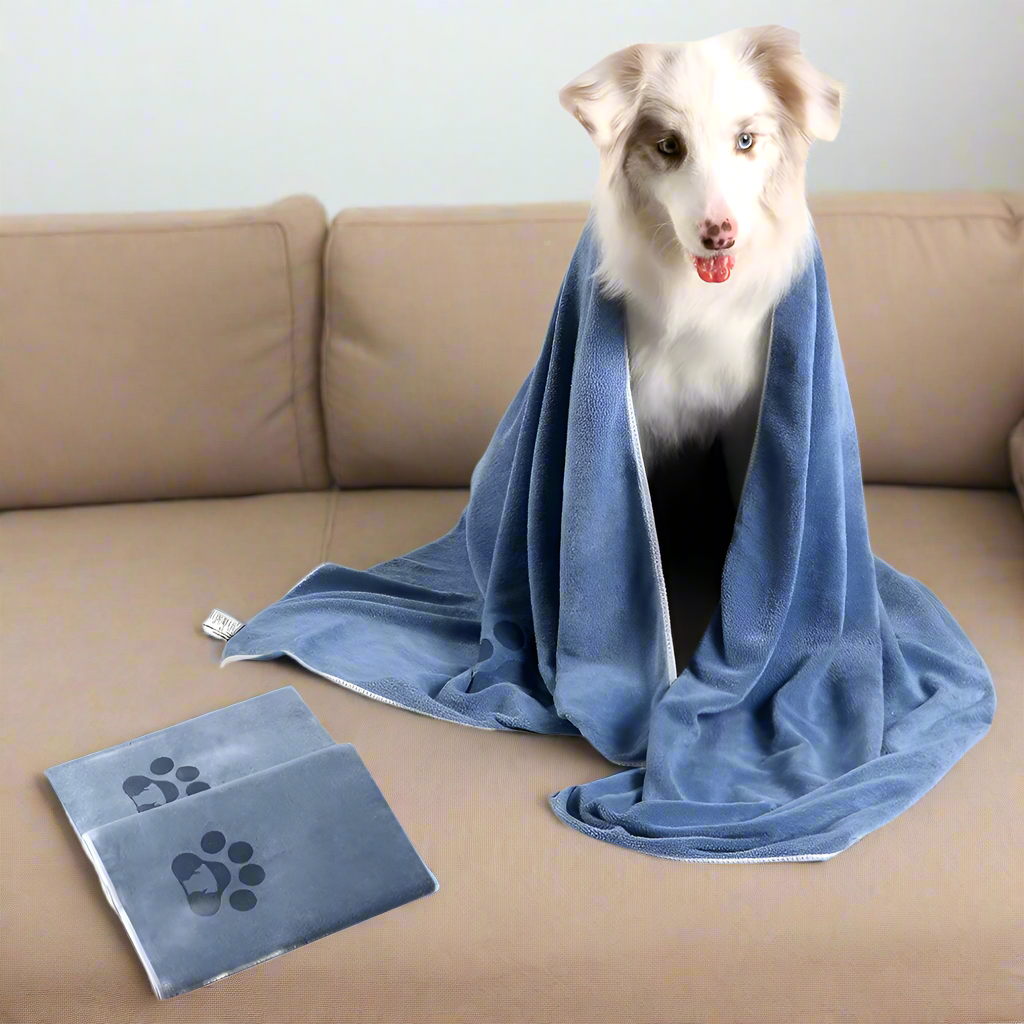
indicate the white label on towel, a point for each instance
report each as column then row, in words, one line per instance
column 221, row 626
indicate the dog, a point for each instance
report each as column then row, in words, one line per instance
column 702, row 217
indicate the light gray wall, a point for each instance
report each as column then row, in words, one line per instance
column 164, row 104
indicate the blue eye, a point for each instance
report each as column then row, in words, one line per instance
column 744, row 140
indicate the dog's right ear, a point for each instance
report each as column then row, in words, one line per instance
column 603, row 98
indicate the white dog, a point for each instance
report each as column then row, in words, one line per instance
column 703, row 220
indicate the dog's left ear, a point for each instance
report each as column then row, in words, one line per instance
column 603, row 98
column 813, row 100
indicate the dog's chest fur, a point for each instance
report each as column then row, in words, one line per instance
column 696, row 362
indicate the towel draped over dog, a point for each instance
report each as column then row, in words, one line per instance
column 828, row 693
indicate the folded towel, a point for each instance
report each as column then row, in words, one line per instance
column 828, row 693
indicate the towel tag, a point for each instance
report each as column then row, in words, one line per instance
column 221, row 626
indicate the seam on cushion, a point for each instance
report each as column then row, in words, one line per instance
column 168, row 229
column 1007, row 218
column 330, row 419
column 353, row 216
column 328, row 530
column 291, row 348
column 457, row 221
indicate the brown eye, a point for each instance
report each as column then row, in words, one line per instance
column 669, row 146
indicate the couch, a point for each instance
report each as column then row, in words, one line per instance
column 198, row 408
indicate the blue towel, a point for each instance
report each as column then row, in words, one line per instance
column 828, row 693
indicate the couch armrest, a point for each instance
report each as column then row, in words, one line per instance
column 1017, row 458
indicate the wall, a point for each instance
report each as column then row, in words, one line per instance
column 164, row 104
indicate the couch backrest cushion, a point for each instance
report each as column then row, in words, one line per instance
column 160, row 356
column 434, row 317
column 928, row 294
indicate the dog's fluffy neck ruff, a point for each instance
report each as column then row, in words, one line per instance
column 697, row 350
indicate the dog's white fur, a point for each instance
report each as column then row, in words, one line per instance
column 698, row 350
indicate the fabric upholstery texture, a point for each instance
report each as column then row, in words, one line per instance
column 919, row 921
column 148, row 356
column 160, row 355
column 429, row 335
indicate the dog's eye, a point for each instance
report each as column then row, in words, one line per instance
column 669, row 146
column 744, row 140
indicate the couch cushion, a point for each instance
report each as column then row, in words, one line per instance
column 433, row 320
column 534, row 922
column 158, row 356
column 435, row 317
column 928, row 294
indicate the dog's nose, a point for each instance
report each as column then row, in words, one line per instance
column 718, row 234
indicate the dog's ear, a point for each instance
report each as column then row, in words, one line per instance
column 603, row 98
column 811, row 99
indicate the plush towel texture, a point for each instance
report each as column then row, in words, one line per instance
column 828, row 693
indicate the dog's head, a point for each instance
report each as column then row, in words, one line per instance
column 710, row 137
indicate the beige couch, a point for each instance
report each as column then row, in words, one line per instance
column 307, row 394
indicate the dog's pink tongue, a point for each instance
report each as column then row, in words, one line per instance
column 714, row 269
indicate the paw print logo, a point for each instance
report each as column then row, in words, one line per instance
column 204, row 882
column 147, row 793
column 496, row 665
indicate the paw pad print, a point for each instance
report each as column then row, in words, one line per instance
column 147, row 793
column 204, row 882
column 499, row 667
